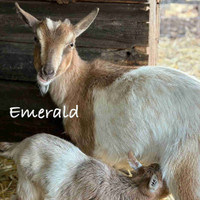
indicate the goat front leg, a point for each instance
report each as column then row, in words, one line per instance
column 182, row 171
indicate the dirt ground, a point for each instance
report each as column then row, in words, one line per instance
column 179, row 45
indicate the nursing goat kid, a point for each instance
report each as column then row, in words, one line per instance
column 152, row 111
column 52, row 169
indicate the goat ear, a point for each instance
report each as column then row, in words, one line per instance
column 26, row 17
column 81, row 26
column 153, row 184
column 133, row 162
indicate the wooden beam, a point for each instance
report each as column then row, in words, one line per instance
column 113, row 1
column 198, row 20
column 154, row 28
column 94, row 1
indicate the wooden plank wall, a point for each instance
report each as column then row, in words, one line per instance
column 119, row 34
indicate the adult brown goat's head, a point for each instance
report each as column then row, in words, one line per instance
column 54, row 44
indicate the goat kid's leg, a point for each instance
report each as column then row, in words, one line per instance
column 182, row 171
column 26, row 190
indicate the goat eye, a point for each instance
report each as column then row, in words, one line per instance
column 71, row 45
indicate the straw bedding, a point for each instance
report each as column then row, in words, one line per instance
column 8, row 178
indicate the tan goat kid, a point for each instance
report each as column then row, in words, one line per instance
column 152, row 111
column 50, row 168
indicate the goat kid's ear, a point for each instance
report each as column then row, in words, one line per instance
column 81, row 26
column 133, row 162
column 153, row 184
column 26, row 17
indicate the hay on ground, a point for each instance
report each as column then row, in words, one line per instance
column 8, row 178
column 181, row 53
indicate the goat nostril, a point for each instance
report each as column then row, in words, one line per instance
column 48, row 71
column 51, row 72
column 45, row 72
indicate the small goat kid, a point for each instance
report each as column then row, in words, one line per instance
column 51, row 168
column 152, row 111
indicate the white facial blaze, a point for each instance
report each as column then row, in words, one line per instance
column 69, row 37
column 56, row 59
column 57, row 56
column 42, row 44
column 50, row 24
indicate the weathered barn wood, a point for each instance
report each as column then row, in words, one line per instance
column 120, row 34
column 27, row 96
column 98, row 1
column 118, row 26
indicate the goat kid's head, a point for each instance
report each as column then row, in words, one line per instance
column 148, row 178
column 54, row 44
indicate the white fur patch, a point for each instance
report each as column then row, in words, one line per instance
column 42, row 43
column 57, row 24
column 70, row 37
column 147, row 111
column 67, row 21
column 52, row 25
